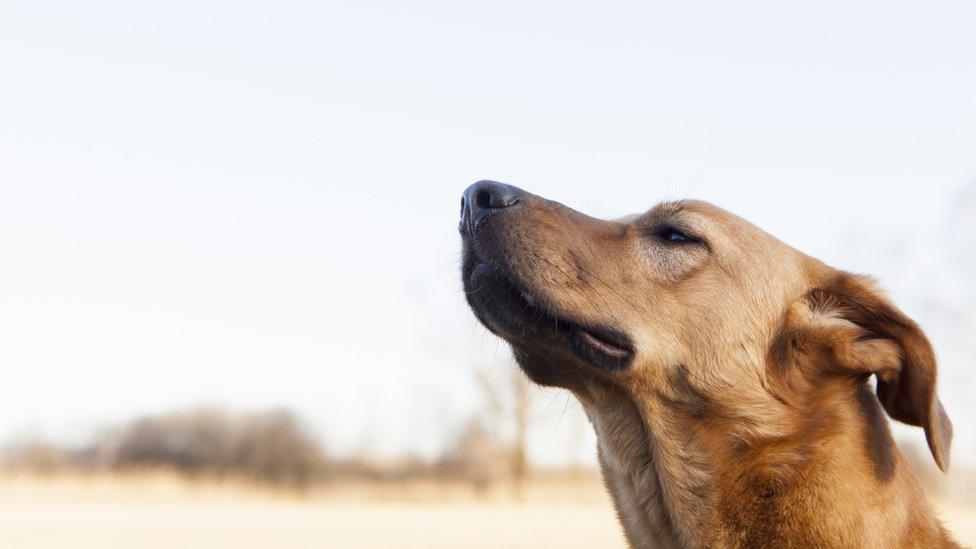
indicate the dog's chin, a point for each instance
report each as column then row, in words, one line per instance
column 550, row 347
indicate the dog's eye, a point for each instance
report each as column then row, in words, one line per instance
column 674, row 235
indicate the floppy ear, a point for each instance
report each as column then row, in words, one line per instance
column 848, row 327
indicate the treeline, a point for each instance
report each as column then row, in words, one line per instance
column 272, row 448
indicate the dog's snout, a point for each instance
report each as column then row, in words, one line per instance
column 484, row 198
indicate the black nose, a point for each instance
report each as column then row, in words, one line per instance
column 484, row 198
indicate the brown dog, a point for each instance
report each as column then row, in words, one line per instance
column 726, row 374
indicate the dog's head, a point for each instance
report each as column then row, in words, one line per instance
column 686, row 299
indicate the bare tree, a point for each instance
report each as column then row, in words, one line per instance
column 271, row 447
column 508, row 402
column 521, row 404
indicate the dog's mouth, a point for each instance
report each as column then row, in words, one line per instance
column 602, row 345
column 602, row 340
column 516, row 313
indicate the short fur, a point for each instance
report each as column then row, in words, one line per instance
column 743, row 416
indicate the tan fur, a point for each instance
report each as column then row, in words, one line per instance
column 745, row 418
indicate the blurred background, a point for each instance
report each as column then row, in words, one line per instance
column 229, row 297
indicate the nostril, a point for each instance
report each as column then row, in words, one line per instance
column 482, row 198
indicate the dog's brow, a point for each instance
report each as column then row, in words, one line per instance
column 670, row 213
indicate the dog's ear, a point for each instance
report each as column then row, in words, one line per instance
column 847, row 327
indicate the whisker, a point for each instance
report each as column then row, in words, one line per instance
column 555, row 429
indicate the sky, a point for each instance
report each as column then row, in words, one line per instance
column 254, row 204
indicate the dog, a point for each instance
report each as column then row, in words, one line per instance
column 726, row 374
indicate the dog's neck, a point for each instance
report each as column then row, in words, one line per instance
column 657, row 504
column 677, row 481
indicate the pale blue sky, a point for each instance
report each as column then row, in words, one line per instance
column 255, row 204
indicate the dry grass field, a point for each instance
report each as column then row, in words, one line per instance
column 159, row 511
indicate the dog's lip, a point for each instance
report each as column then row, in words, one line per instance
column 603, row 341
column 600, row 340
column 603, row 346
column 600, row 344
